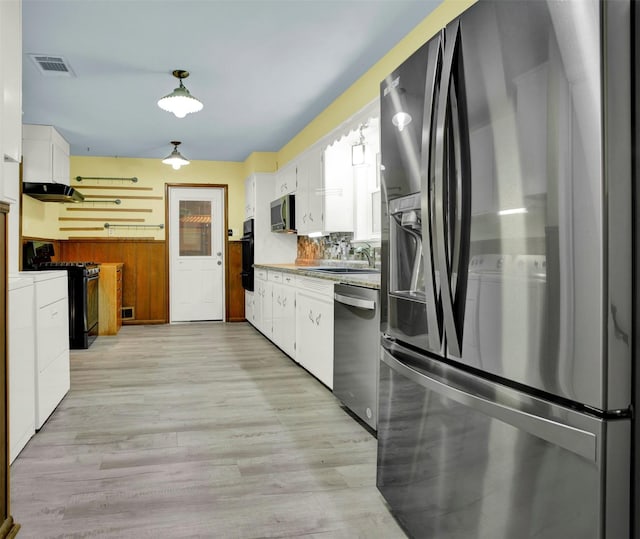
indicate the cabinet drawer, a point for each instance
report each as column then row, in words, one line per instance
column 261, row 274
column 51, row 290
column 319, row 286
column 52, row 332
column 275, row 276
column 288, row 279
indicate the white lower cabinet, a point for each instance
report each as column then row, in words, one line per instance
column 52, row 342
column 296, row 314
column 263, row 307
column 284, row 312
column 22, row 394
column 314, row 327
column 249, row 306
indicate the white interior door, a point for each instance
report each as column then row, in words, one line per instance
column 196, row 253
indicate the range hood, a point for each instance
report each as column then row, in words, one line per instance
column 52, row 192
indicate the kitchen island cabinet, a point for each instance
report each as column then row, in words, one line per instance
column 110, row 298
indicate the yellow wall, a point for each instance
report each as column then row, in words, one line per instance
column 367, row 87
column 42, row 219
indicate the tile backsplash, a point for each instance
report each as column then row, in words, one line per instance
column 336, row 247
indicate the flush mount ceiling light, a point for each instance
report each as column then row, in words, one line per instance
column 180, row 101
column 175, row 158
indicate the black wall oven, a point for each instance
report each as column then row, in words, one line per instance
column 247, row 255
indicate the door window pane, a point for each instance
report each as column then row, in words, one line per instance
column 195, row 228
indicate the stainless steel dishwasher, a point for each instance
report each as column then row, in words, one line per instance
column 356, row 350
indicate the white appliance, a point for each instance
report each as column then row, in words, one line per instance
column 51, row 316
column 22, row 396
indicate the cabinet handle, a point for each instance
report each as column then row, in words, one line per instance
column 311, row 316
column 318, row 319
column 310, row 217
column 54, row 313
column 278, row 300
column 284, row 302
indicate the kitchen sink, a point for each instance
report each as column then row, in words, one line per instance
column 341, row 270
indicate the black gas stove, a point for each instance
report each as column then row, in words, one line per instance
column 83, row 300
column 85, row 269
column 83, row 290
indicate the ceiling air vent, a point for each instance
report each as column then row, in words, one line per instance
column 52, row 65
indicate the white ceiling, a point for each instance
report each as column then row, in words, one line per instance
column 263, row 68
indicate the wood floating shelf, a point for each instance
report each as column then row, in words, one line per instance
column 127, row 197
column 79, row 228
column 99, row 178
column 118, row 187
column 139, row 210
column 125, row 219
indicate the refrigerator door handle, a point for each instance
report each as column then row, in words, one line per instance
column 430, row 276
column 576, row 440
column 452, row 219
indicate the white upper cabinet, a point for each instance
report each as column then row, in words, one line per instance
column 338, row 180
column 45, row 155
column 309, row 195
column 286, row 180
column 11, row 78
column 249, row 197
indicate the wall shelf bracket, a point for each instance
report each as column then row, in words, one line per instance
column 98, row 178
column 111, row 225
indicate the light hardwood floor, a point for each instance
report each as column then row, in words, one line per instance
column 197, row 430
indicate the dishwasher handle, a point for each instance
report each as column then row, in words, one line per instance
column 355, row 302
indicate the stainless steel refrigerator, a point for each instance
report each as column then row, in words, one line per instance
column 506, row 380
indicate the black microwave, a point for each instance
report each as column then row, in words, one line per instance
column 283, row 211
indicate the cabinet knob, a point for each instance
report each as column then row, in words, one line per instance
column 219, row 263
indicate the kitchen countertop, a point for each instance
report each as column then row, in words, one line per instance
column 366, row 280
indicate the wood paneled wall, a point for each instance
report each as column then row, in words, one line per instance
column 235, row 292
column 144, row 276
column 145, row 280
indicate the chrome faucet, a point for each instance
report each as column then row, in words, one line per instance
column 366, row 251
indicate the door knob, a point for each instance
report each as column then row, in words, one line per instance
column 219, row 263
column 219, row 253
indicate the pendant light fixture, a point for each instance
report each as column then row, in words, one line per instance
column 180, row 101
column 175, row 158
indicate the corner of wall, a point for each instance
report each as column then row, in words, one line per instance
column 260, row 162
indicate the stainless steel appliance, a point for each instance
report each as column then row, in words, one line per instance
column 248, row 250
column 506, row 397
column 356, row 350
column 283, row 214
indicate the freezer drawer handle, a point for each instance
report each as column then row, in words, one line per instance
column 577, row 441
column 355, row 302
